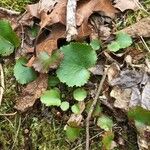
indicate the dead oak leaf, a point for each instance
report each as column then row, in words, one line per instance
column 126, row 4
column 31, row 93
column 57, row 15
column 87, row 7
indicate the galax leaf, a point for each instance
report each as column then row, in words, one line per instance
column 22, row 73
column 78, row 57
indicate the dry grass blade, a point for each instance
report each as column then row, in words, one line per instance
column 2, row 87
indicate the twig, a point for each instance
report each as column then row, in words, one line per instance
column 9, row 114
column 144, row 43
column 2, row 87
column 89, row 139
column 71, row 19
column 8, row 11
column 92, row 109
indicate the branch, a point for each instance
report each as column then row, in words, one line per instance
column 71, row 20
column 10, row 12
column 92, row 109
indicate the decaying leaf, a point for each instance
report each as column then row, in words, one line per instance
column 31, row 93
column 75, row 120
column 87, row 7
column 122, row 97
column 141, row 28
column 126, row 4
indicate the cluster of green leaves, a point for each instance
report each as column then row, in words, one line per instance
column 8, row 38
column 52, row 97
column 123, row 40
column 73, row 70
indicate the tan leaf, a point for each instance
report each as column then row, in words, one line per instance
column 87, row 7
column 122, row 97
column 141, row 28
column 58, row 15
column 75, row 120
column 31, row 93
column 126, row 4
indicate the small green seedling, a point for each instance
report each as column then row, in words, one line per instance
column 123, row 40
column 75, row 109
column 105, row 123
column 72, row 133
column 64, row 106
column 51, row 98
column 96, row 44
column 79, row 94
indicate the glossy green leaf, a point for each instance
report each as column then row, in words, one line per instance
column 114, row 46
column 7, row 32
column 78, row 57
column 64, row 106
column 96, row 44
column 107, row 140
column 51, row 98
column 6, row 48
column 123, row 39
column 22, row 73
column 79, row 94
column 72, row 133
column 140, row 114
column 105, row 123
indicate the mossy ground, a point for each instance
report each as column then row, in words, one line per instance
column 37, row 129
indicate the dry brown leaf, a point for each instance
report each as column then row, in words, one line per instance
column 141, row 28
column 87, row 7
column 75, row 120
column 50, row 43
column 58, row 15
column 122, row 97
column 31, row 93
column 126, row 4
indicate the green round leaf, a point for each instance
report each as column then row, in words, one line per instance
column 72, row 133
column 123, row 39
column 6, row 48
column 114, row 46
column 75, row 109
column 22, row 73
column 51, row 98
column 105, row 123
column 64, row 106
column 78, row 57
column 79, row 94
column 7, row 32
column 96, row 44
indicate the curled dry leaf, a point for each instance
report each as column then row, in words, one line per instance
column 126, row 4
column 31, row 93
column 141, row 28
